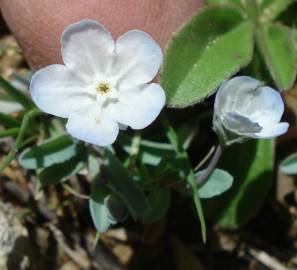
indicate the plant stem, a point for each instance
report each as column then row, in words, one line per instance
column 9, row 132
column 273, row 10
column 212, row 165
column 18, row 142
column 75, row 193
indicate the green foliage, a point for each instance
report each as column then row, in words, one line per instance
column 16, row 94
column 289, row 165
column 218, row 42
column 150, row 153
column 8, row 121
column 159, row 199
column 52, row 151
column 123, row 185
column 271, row 9
column 26, row 121
column 251, row 165
column 9, row 132
column 184, row 165
column 217, row 183
column 213, row 46
column 138, row 174
column 100, row 213
column 61, row 172
column 276, row 44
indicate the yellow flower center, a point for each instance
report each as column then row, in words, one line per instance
column 103, row 88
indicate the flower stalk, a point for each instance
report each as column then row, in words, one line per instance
column 211, row 166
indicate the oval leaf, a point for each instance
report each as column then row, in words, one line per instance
column 212, row 47
column 217, row 183
column 99, row 210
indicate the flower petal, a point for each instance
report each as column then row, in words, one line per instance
column 138, row 58
column 89, row 126
column 234, row 94
column 87, row 49
column 271, row 131
column 56, row 91
column 265, row 106
column 240, row 124
column 138, row 107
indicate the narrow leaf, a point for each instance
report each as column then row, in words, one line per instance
column 16, row 94
column 271, row 9
column 187, row 173
column 124, row 186
column 52, row 151
column 159, row 199
column 11, row 132
column 8, row 121
column 59, row 173
column 276, row 43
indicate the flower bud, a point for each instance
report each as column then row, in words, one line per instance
column 246, row 109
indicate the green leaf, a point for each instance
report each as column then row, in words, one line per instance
column 9, row 132
column 59, row 173
column 123, row 185
column 93, row 166
column 8, row 121
column 52, row 151
column 271, row 9
column 187, row 173
column 149, row 152
column 100, row 213
column 16, row 94
column 26, row 121
column 251, row 165
column 187, row 131
column 289, row 165
column 212, row 47
column 276, row 43
column 217, row 183
column 159, row 199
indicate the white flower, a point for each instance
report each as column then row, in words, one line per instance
column 246, row 108
column 103, row 84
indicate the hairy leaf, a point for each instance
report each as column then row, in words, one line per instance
column 209, row 49
column 276, row 43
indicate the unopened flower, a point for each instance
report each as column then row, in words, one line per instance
column 245, row 108
column 103, row 85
